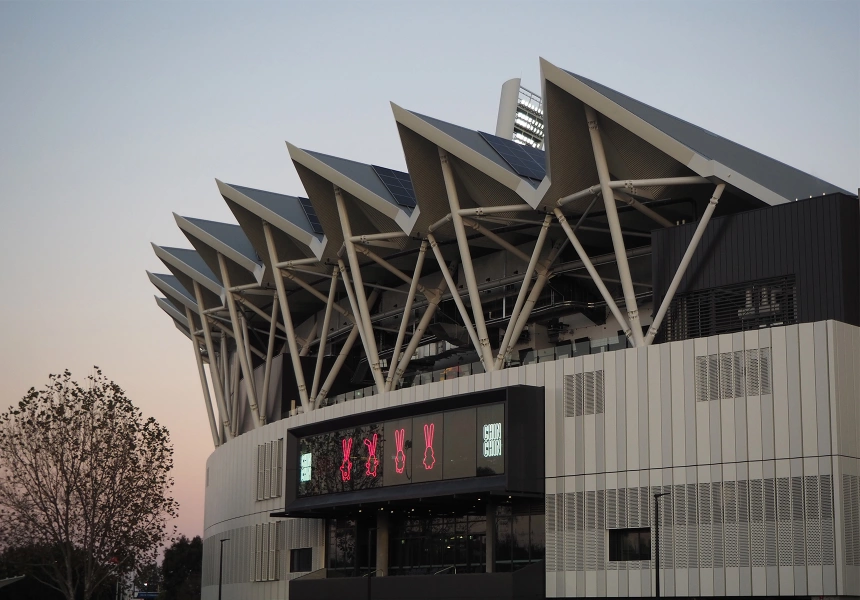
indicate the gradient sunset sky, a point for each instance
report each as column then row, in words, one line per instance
column 115, row 114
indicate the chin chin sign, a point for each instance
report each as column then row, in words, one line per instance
column 372, row 461
column 429, row 457
column 346, row 465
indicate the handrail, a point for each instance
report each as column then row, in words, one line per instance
column 374, row 571
column 446, row 568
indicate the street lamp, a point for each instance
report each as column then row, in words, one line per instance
column 657, row 537
column 221, row 566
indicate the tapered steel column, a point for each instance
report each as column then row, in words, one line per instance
column 246, row 343
column 366, row 336
column 363, row 309
column 455, row 295
column 685, row 262
column 267, row 374
column 234, row 383
column 595, row 277
column 341, row 357
column 508, row 342
column 324, row 335
column 207, row 400
column 312, row 335
column 407, row 311
column 288, row 317
column 247, row 370
column 433, row 304
column 220, row 398
column 614, row 227
column 468, row 270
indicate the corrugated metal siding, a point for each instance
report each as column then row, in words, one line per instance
column 815, row 239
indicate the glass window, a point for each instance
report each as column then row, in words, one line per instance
column 301, row 560
column 459, row 444
column 630, row 544
column 427, row 455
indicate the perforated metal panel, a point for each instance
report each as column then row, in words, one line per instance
column 732, row 374
column 584, row 394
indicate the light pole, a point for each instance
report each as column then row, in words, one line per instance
column 657, row 537
column 221, row 566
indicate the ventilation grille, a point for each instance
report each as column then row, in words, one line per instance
column 851, row 504
column 727, row 309
column 733, row 374
column 270, row 468
column 583, row 394
column 760, row 522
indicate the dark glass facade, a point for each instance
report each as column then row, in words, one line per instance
column 451, row 543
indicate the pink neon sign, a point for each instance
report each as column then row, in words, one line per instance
column 346, row 465
column 372, row 461
column 429, row 457
column 400, row 456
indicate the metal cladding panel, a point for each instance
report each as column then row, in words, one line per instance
column 570, row 159
column 776, row 176
column 425, row 170
column 815, row 240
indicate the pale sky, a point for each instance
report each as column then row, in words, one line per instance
column 115, row 114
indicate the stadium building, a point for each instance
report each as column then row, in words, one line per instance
column 626, row 358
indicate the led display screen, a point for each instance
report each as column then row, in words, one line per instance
column 452, row 444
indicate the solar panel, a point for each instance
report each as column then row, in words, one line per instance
column 311, row 214
column 524, row 160
column 399, row 185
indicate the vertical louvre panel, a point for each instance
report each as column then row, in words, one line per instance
column 261, row 464
column 743, row 524
column 550, row 531
column 667, row 530
column 633, row 519
column 752, row 370
column 798, row 540
column 730, row 523
column 713, row 377
column 612, row 520
column 757, row 523
column 717, row 517
column 679, row 516
column 588, row 383
column 692, row 526
column 738, row 365
column 598, row 392
column 251, row 546
column 828, row 550
column 580, row 531
column 599, row 529
column 280, row 478
column 258, row 552
column 812, row 520
column 783, row 512
column 580, row 394
column 273, row 550
column 569, row 396
column 267, row 481
column 570, row 531
column 727, row 388
column 764, row 366
column 706, row 546
column 701, row 379
column 770, row 522
column 590, row 527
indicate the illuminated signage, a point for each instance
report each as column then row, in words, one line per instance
column 453, row 444
column 305, row 467
column 492, row 440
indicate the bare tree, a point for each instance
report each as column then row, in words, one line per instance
column 83, row 472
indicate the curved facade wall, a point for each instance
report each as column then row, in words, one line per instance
column 756, row 435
